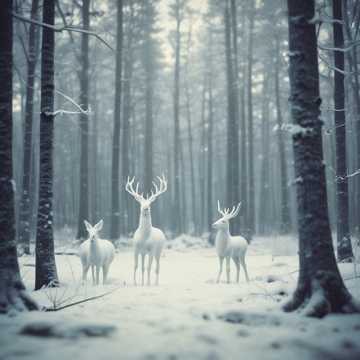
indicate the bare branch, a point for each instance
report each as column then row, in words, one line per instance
column 63, row 28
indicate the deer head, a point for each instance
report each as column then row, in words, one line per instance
column 93, row 230
column 145, row 201
column 227, row 214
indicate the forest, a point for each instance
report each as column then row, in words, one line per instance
column 180, row 179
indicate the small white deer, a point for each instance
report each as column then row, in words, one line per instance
column 229, row 247
column 97, row 253
column 148, row 240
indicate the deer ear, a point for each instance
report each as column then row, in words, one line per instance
column 87, row 225
column 99, row 225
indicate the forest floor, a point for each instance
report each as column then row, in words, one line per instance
column 188, row 316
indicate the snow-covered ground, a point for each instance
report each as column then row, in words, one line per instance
column 187, row 317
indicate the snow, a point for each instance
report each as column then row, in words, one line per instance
column 188, row 316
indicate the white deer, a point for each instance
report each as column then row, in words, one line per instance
column 148, row 240
column 229, row 247
column 97, row 253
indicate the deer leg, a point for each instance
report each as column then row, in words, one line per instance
column 85, row 271
column 105, row 272
column 149, row 268
column 243, row 264
column 142, row 268
column 228, row 269
column 237, row 264
column 136, row 258
column 221, row 260
column 157, row 270
column 93, row 273
column 97, row 274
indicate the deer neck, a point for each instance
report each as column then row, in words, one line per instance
column 145, row 224
column 224, row 234
column 94, row 250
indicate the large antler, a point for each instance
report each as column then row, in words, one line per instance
column 134, row 192
column 158, row 189
column 226, row 211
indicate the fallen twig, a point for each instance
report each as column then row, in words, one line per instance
column 81, row 301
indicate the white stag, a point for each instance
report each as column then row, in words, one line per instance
column 229, row 247
column 97, row 253
column 148, row 240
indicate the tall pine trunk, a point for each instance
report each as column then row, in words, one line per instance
column 45, row 266
column 12, row 290
column 320, row 289
column 177, row 227
column 84, row 124
column 251, row 184
column 344, row 250
column 25, row 202
column 285, row 220
column 115, row 169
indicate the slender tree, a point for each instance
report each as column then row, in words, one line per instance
column 285, row 220
column 149, row 86
column 232, row 167
column 320, row 288
column 84, row 123
column 344, row 250
column 115, row 169
column 13, row 296
column 251, row 183
column 25, row 202
column 45, row 266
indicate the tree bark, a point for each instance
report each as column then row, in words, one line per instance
column 45, row 266
column 285, row 220
column 176, row 205
column 232, row 166
column 251, row 184
column 13, row 296
column 25, row 202
column 115, row 169
column 344, row 249
column 320, row 289
column 84, row 124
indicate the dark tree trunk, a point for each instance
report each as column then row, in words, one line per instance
column 320, row 289
column 25, row 203
column 84, row 125
column 285, row 220
column 344, row 250
column 176, row 205
column 45, row 271
column 149, row 85
column 115, row 169
column 210, row 155
column 127, row 203
column 251, row 184
column 264, row 196
column 12, row 291
column 232, row 166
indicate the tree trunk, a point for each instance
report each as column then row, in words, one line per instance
column 344, row 249
column 127, row 203
column 210, row 154
column 176, row 205
column 149, row 85
column 285, row 220
column 251, row 185
column 45, row 266
column 84, row 125
column 115, row 169
column 232, row 172
column 13, row 296
column 25, row 204
column 320, row 289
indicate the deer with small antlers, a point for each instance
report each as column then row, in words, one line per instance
column 148, row 240
column 228, row 246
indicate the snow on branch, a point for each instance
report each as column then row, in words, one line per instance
column 344, row 49
column 63, row 28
